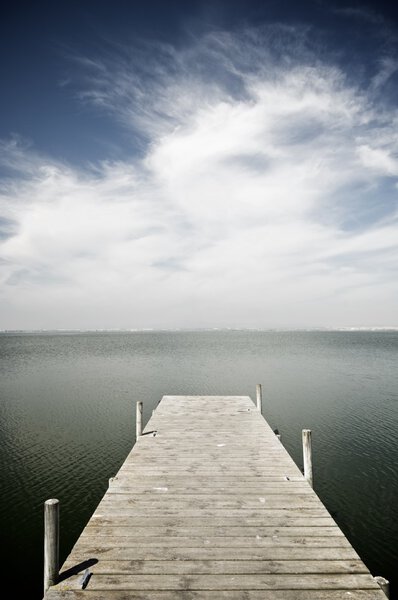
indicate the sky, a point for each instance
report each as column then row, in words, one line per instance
column 223, row 164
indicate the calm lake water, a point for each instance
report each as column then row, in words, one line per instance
column 67, row 405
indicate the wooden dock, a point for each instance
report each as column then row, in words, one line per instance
column 212, row 507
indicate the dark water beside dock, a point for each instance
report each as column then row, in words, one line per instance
column 67, row 405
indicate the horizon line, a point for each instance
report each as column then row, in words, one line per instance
column 199, row 329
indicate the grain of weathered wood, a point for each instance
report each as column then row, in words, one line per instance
column 273, row 487
column 205, row 483
column 211, row 501
column 283, row 581
column 198, row 511
column 209, row 508
column 223, row 531
column 254, row 541
column 56, row 594
column 205, row 514
column 82, row 552
column 226, row 567
column 241, row 521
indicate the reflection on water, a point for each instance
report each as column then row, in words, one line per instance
column 67, row 421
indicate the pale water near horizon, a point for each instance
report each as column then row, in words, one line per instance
column 67, row 406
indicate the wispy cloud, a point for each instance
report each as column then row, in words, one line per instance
column 388, row 68
column 266, row 196
column 362, row 13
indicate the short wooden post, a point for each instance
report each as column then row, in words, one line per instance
column 138, row 420
column 384, row 584
column 51, row 542
column 307, row 456
column 259, row 397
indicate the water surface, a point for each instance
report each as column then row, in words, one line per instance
column 67, row 405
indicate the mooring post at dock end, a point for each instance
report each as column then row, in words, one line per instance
column 307, row 456
column 384, row 584
column 259, row 397
column 138, row 419
column 51, row 542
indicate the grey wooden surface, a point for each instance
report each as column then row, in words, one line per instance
column 212, row 507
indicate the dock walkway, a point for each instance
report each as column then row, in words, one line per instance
column 212, row 507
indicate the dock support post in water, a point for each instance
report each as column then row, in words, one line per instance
column 259, row 397
column 307, row 456
column 138, row 420
column 384, row 584
column 51, row 542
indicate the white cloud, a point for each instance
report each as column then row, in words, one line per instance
column 239, row 213
column 378, row 160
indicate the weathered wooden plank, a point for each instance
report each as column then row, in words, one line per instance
column 265, row 455
column 146, row 479
column 203, row 514
column 241, row 521
column 224, row 567
column 231, row 582
column 231, row 456
column 180, row 476
column 162, row 471
column 82, row 552
column 164, row 435
column 219, row 456
column 220, row 443
column 215, row 451
column 221, row 462
column 120, row 487
column 255, row 541
column 210, row 501
column 218, row 446
column 211, row 462
column 56, row 594
column 217, row 500
column 245, row 467
column 212, row 465
column 138, row 532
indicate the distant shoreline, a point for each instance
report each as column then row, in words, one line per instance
column 207, row 330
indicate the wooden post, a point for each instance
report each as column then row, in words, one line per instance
column 138, row 420
column 307, row 456
column 51, row 542
column 259, row 397
column 384, row 584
